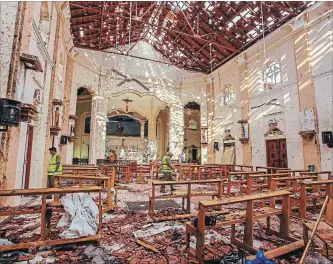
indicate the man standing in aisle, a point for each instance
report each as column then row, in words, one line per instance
column 55, row 168
column 167, row 169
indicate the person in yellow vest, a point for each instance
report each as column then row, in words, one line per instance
column 55, row 167
column 167, row 169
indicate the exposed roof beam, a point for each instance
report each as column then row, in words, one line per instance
column 165, row 29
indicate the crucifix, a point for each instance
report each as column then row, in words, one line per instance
column 127, row 101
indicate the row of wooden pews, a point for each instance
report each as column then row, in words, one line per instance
column 75, row 179
column 260, row 189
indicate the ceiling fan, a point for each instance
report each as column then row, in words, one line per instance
column 270, row 102
column 128, row 78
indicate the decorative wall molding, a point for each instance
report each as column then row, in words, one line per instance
column 323, row 74
column 40, row 43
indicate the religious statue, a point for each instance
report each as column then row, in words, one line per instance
column 228, row 136
column 193, row 125
column 273, row 130
column 56, row 117
column 112, row 155
column 36, row 98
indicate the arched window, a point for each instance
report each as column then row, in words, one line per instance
column 273, row 73
column 87, row 125
column 229, row 94
column 123, row 126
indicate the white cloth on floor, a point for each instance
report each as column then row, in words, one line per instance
column 81, row 216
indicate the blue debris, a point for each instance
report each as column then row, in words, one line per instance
column 260, row 259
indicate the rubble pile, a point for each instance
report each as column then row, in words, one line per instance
column 132, row 237
column 127, row 227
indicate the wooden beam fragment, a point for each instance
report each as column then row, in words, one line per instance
column 145, row 245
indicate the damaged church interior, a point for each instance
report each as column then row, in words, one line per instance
column 166, row 132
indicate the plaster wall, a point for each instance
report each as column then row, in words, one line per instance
column 226, row 116
column 279, row 46
column 287, row 114
column 29, row 81
column 321, row 39
column 170, row 85
column 8, row 20
column 8, row 12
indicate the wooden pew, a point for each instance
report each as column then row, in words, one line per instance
column 291, row 172
column 156, row 168
column 315, row 186
column 211, row 171
column 120, row 170
column 320, row 174
column 324, row 233
column 288, row 181
column 269, row 170
column 143, row 169
column 80, row 169
column 291, row 184
column 242, row 168
column 187, row 171
column 253, row 181
column 248, row 218
column 43, row 241
column 187, row 196
column 239, row 174
column 107, row 182
column 224, row 169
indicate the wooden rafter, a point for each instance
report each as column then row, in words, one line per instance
column 182, row 27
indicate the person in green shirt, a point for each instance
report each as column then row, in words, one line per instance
column 167, row 169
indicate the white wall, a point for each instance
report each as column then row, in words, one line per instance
column 170, row 85
column 321, row 40
column 8, row 12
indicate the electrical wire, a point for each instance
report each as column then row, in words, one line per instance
column 129, row 37
column 264, row 42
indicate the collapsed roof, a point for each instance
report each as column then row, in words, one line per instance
column 195, row 35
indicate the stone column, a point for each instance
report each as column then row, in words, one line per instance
column 210, row 117
column 66, row 112
column 98, row 125
column 244, row 105
column 176, row 125
column 203, row 124
column 142, row 132
column 306, row 92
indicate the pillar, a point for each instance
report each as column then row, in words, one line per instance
column 67, row 150
column 176, row 125
column 244, row 105
column 98, row 124
column 306, row 92
column 203, row 124
column 210, row 116
column 142, row 132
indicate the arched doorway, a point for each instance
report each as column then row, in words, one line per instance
column 192, row 132
column 82, row 126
